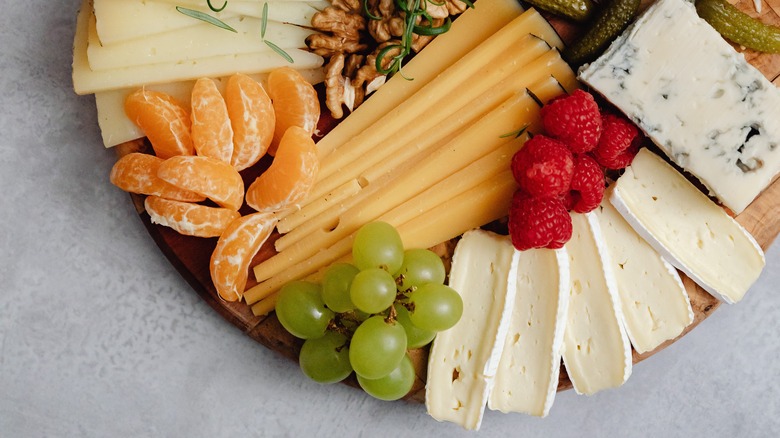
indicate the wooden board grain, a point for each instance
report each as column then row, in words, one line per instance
column 190, row 255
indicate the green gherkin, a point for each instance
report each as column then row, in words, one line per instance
column 606, row 26
column 738, row 26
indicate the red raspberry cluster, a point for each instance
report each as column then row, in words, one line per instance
column 562, row 171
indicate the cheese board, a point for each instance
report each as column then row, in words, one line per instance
column 603, row 277
column 190, row 255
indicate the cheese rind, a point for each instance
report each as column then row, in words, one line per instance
column 527, row 376
column 463, row 359
column 687, row 228
column 655, row 304
column 596, row 352
column 699, row 100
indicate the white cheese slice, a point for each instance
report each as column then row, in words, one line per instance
column 596, row 350
column 697, row 98
column 687, row 228
column 655, row 304
column 87, row 81
column 527, row 376
column 192, row 43
column 463, row 360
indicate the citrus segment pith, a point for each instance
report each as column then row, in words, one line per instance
column 235, row 249
column 212, row 134
column 212, row 178
column 163, row 120
column 295, row 103
column 137, row 173
column 290, row 177
column 188, row 218
column 252, row 118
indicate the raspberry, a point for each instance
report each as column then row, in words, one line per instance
column 538, row 222
column 543, row 167
column 587, row 185
column 619, row 142
column 574, row 120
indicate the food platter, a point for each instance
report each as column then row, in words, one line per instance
column 190, row 255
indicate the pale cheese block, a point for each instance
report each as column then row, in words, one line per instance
column 697, row 98
column 527, row 376
column 192, row 43
column 596, row 349
column 469, row 29
column 693, row 233
column 86, row 81
column 655, row 304
column 463, row 360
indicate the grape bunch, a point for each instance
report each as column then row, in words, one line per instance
column 365, row 315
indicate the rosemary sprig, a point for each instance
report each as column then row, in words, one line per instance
column 412, row 10
column 206, row 17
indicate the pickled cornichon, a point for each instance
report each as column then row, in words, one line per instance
column 608, row 24
column 738, row 26
column 577, row 10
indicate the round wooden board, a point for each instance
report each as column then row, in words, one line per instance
column 190, row 255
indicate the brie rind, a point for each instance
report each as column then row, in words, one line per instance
column 527, row 376
column 463, row 360
column 687, row 228
column 655, row 303
column 596, row 350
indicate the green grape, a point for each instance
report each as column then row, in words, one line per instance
column 335, row 287
column 415, row 336
column 392, row 386
column 377, row 347
column 372, row 290
column 301, row 310
column 325, row 359
column 436, row 307
column 378, row 245
column 420, row 266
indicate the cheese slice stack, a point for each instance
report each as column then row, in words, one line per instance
column 655, row 304
column 463, row 359
column 700, row 101
column 597, row 353
column 687, row 228
column 527, row 377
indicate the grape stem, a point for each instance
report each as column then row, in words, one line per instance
column 391, row 316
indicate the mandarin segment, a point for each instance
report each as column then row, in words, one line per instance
column 252, row 118
column 137, row 173
column 235, row 249
column 188, row 218
column 212, row 134
column 163, row 120
column 295, row 103
column 291, row 175
column 214, row 179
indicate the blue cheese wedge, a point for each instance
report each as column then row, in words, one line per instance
column 463, row 360
column 596, row 350
column 655, row 304
column 706, row 108
column 687, row 228
column 527, row 377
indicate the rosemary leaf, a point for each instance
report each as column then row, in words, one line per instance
column 208, row 2
column 205, row 17
column 280, row 51
column 264, row 20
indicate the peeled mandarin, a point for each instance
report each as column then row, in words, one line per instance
column 188, row 218
column 235, row 249
column 137, row 173
column 295, row 103
column 291, row 175
column 163, row 120
column 212, row 134
column 252, row 117
column 212, row 178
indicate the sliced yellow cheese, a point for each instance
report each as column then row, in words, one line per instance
column 283, row 11
column 472, row 27
column 86, row 81
column 193, row 42
column 486, row 90
column 478, row 140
